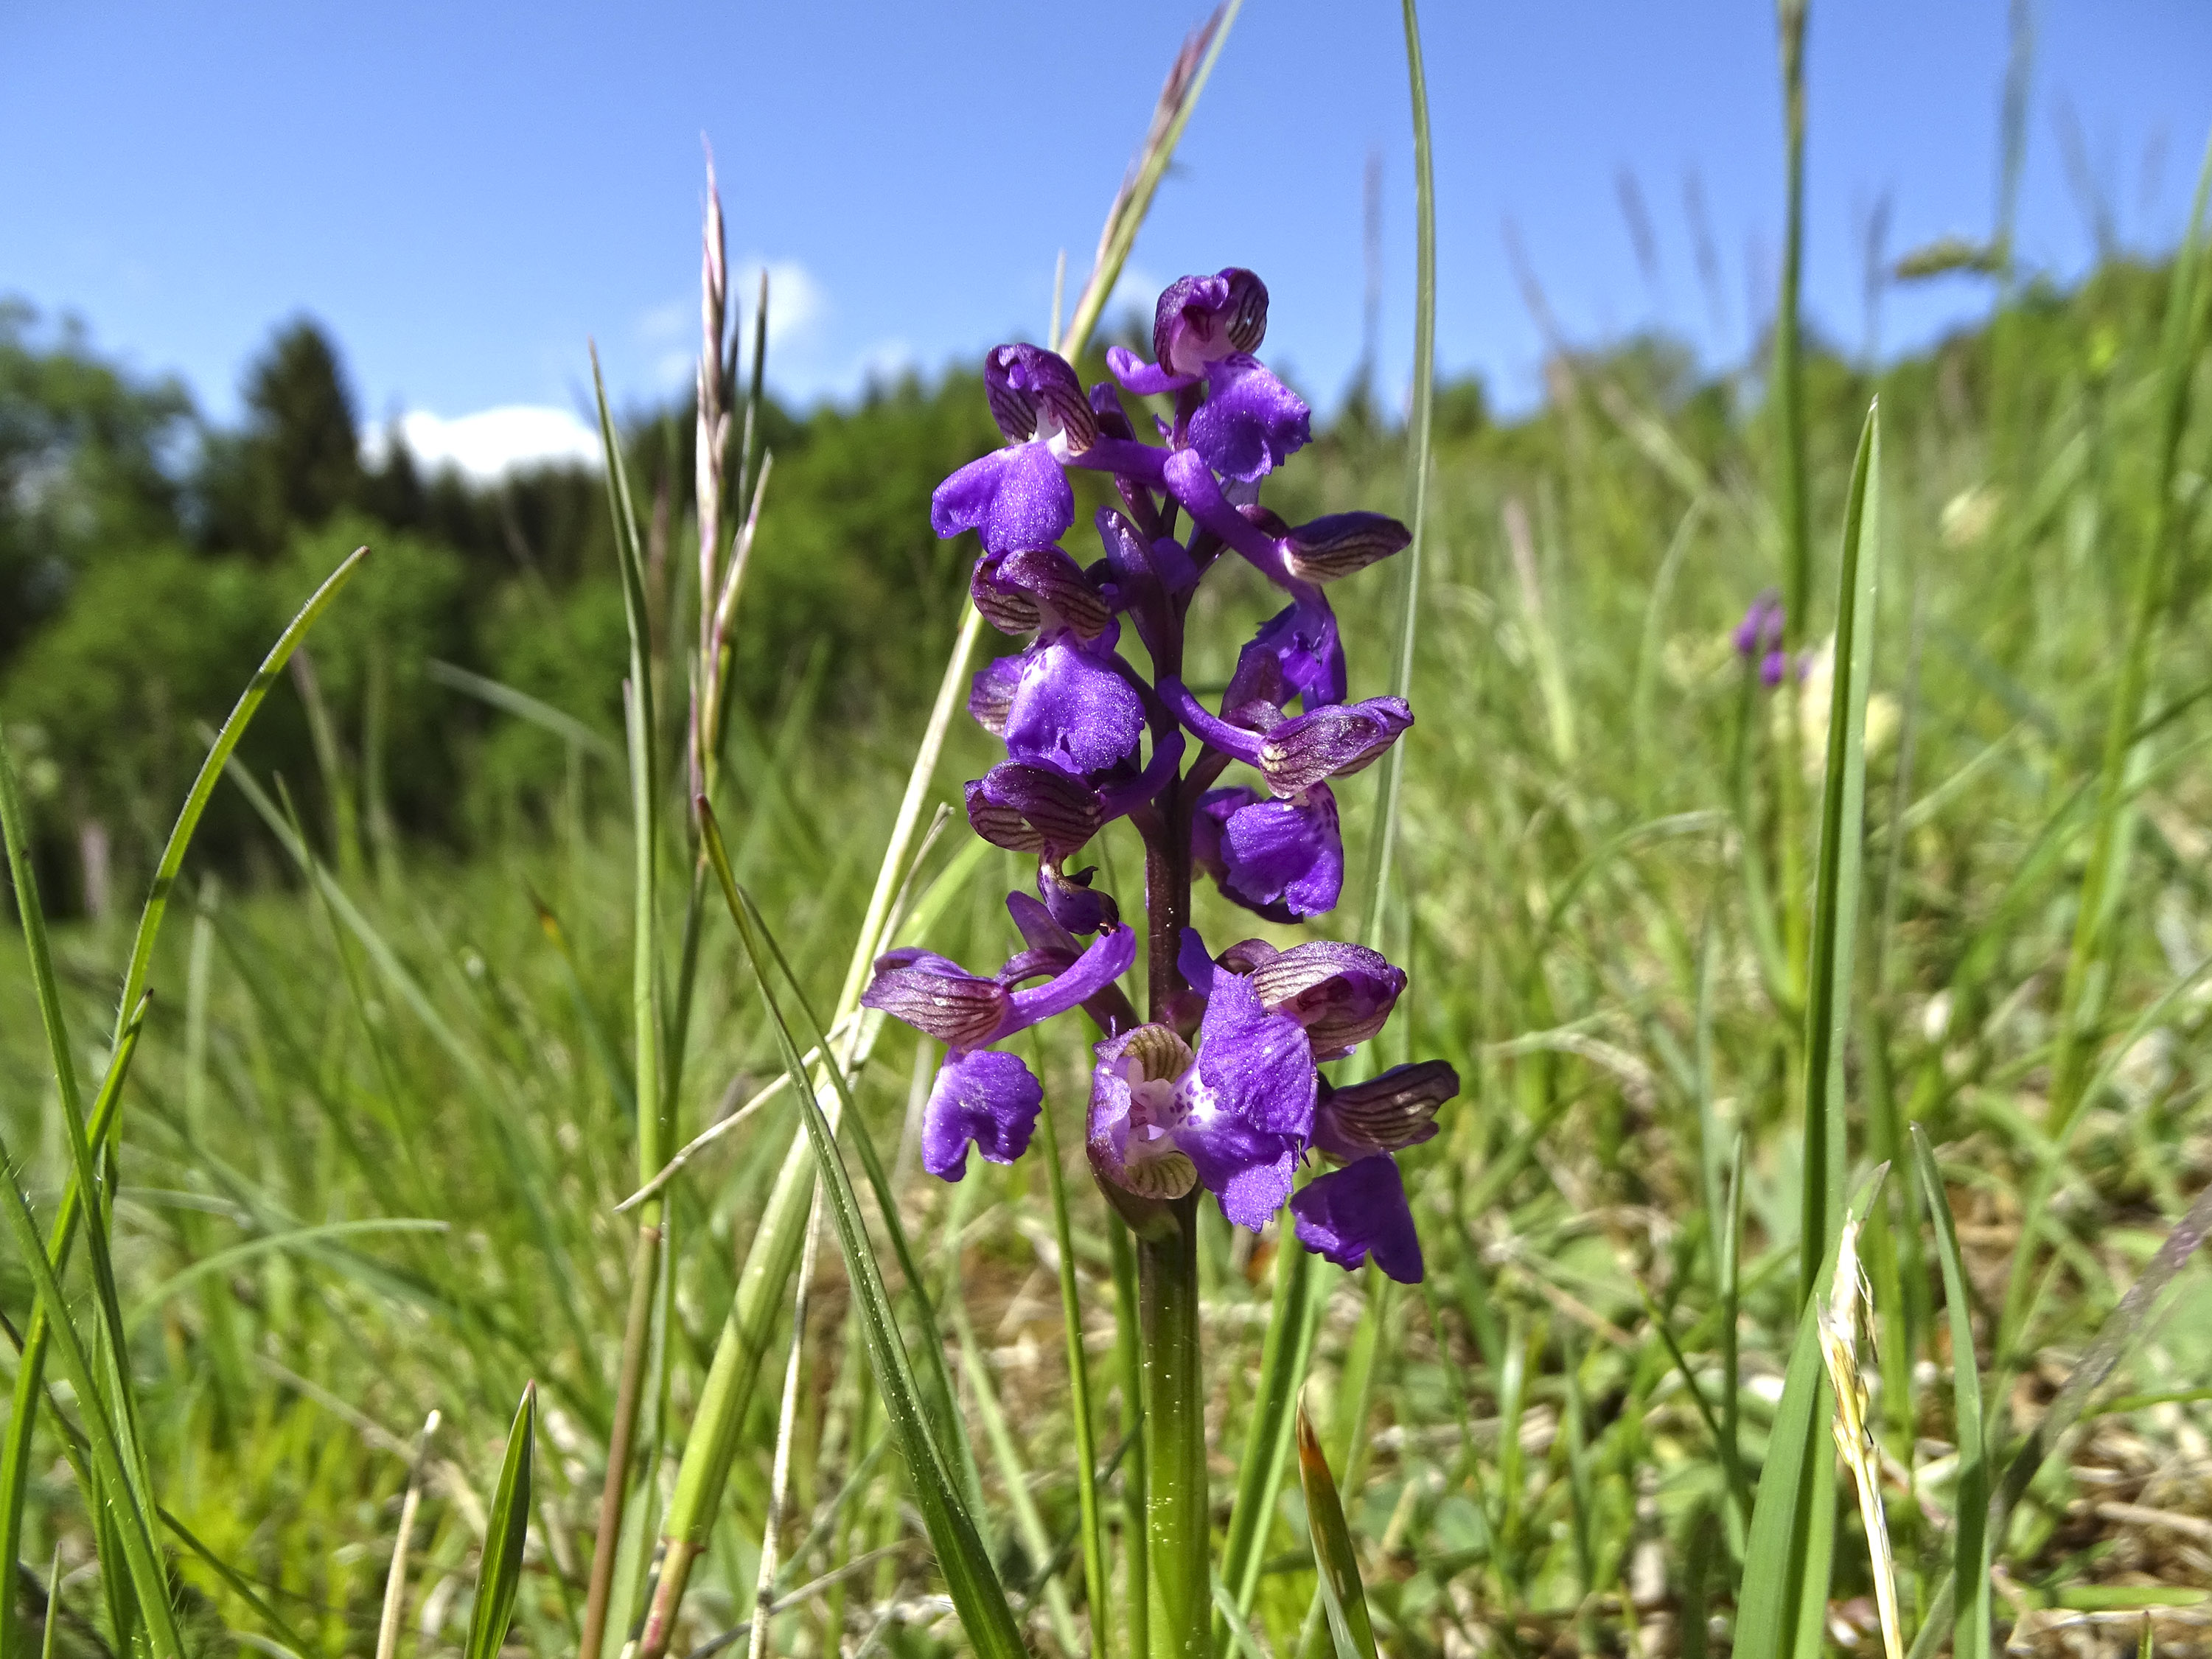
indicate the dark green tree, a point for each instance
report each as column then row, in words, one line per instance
column 84, row 465
column 298, row 460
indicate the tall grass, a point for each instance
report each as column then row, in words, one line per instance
column 382, row 1136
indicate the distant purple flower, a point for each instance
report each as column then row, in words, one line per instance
column 1758, row 635
column 1360, row 1211
column 1760, row 630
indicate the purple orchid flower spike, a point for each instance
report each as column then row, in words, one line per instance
column 1220, row 1091
column 981, row 1095
column 1360, row 1212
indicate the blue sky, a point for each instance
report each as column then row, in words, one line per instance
column 463, row 193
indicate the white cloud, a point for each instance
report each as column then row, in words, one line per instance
column 492, row 442
column 796, row 301
column 797, row 307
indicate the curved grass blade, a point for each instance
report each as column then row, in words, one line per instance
column 149, row 1580
column 977, row 1595
column 1341, row 1593
column 1970, row 1550
column 293, row 1239
column 508, row 1530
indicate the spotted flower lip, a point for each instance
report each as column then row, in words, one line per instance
column 1281, row 860
column 1014, row 497
column 1072, row 706
column 1230, row 1118
column 1360, row 1212
column 1385, row 1113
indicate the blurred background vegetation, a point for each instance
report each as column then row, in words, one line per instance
column 426, row 1033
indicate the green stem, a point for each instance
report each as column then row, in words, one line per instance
column 1174, row 1438
column 1129, row 1356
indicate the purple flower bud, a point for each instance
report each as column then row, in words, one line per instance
column 1333, row 742
column 1385, row 1113
column 1201, row 320
column 939, row 998
column 1341, row 993
column 990, row 1098
column 991, row 693
column 1037, row 587
column 1035, row 394
column 1341, row 544
column 1072, row 901
column 1774, row 667
column 1034, row 808
column 1281, row 860
column 1358, row 1212
column 1113, row 419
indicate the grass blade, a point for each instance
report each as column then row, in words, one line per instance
column 1334, row 1559
column 148, row 1575
column 1840, row 861
column 1788, row 1552
column 1095, row 1580
column 501, row 1576
column 969, row 1573
column 1970, row 1553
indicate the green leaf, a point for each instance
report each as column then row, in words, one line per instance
column 1781, row 1608
column 505, row 1533
column 1341, row 1593
column 1970, row 1552
column 969, row 1575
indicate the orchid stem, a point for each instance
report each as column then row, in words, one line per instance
column 1179, row 1614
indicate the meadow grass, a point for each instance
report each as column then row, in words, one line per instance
column 1707, row 961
